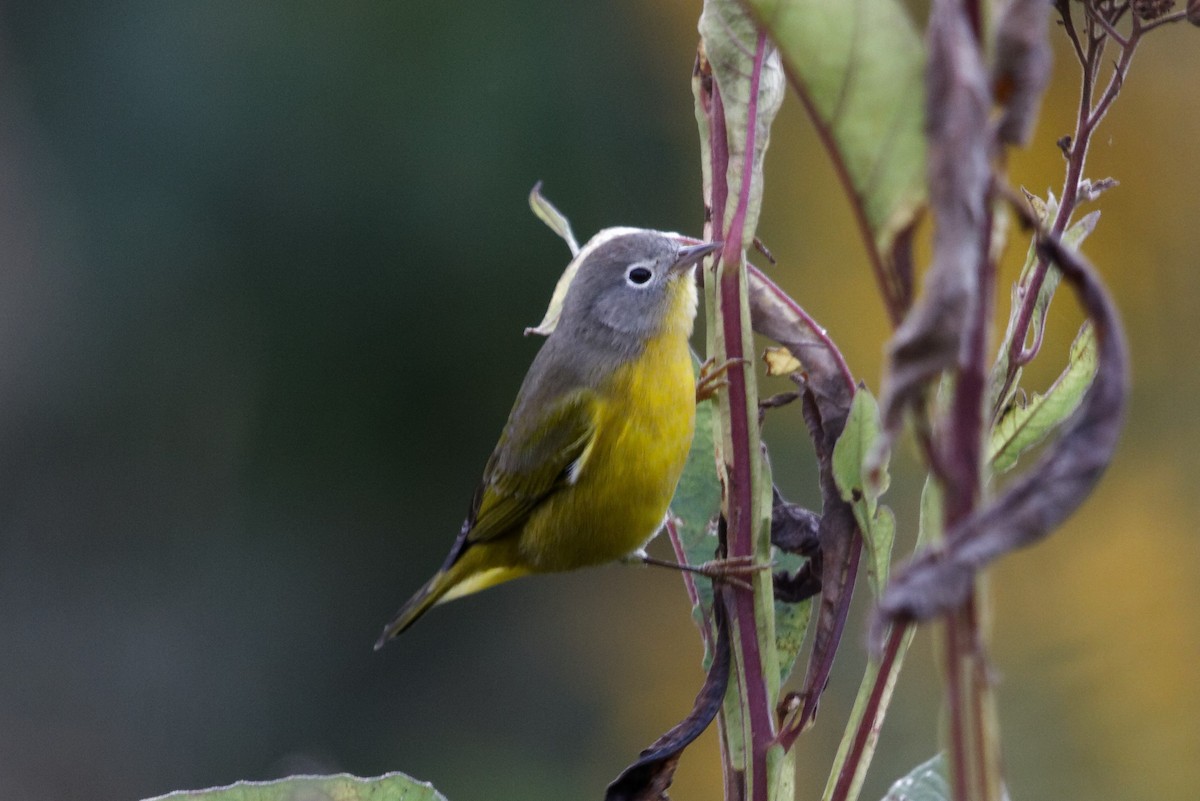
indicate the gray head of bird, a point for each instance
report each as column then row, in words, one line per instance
column 633, row 283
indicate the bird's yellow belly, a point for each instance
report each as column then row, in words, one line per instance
column 627, row 480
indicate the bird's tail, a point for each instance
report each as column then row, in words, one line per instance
column 458, row 580
column 414, row 607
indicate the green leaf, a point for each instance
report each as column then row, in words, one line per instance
column 930, row 526
column 1074, row 236
column 559, row 224
column 859, row 69
column 340, row 787
column 1021, row 427
column 730, row 37
column 551, row 216
column 791, row 620
column 697, row 501
column 865, row 689
column 789, row 632
column 926, row 782
column 860, row 468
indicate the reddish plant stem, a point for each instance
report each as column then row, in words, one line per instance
column 963, row 484
column 1087, row 119
column 979, row 683
column 689, row 581
column 975, row 18
column 870, row 721
column 964, row 454
column 741, row 512
column 960, row 766
column 742, row 507
column 719, row 153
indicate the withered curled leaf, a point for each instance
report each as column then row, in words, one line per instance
column 956, row 114
column 1037, row 502
column 649, row 776
column 1021, row 67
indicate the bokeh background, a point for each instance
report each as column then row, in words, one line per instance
column 264, row 269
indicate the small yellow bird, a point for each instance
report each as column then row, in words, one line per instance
column 596, row 441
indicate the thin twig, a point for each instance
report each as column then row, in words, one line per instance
column 1068, row 24
column 1174, row 16
column 1097, row 16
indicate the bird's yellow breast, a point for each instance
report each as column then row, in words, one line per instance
column 625, row 483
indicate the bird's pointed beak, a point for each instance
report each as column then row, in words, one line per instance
column 692, row 254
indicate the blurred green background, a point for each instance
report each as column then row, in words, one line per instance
column 265, row 268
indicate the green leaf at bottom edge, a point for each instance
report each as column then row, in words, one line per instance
column 339, row 787
column 926, row 782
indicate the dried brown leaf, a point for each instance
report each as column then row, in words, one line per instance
column 1021, row 67
column 929, row 339
column 648, row 778
column 827, row 390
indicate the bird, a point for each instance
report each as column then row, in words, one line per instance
column 588, row 461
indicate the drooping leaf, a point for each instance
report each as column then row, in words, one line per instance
column 795, row 535
column 957, row 112
column 1020, row 67
column 861, row 474
column 648, row 778
column 1021, row 427
column 559, row 224
column 841, row 550
column 827, row 389
column 858, row 69
column 927, row 782
column 340, row 787
column 778, row 317
column 551, row 216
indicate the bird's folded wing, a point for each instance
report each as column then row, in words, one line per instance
column 532, row 462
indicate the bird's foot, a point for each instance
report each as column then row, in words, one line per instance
column 731, row 570
column 713, row 377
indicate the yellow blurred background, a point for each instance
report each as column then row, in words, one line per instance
column 265, row 270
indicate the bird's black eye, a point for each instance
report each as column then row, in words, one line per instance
column 639, row 275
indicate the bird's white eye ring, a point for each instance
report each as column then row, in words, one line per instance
column 638, row 275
